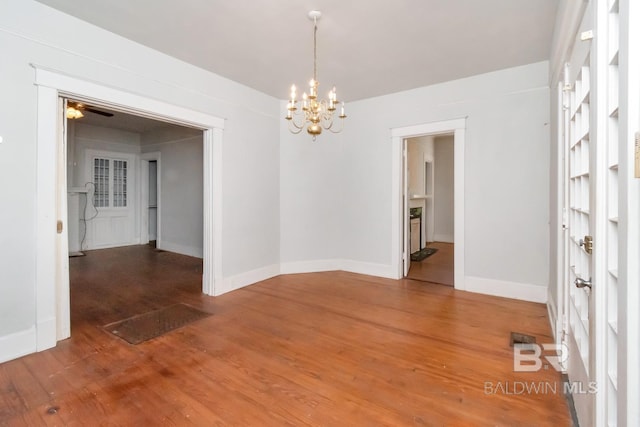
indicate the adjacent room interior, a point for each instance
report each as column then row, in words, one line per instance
column 431, row 208
column 134, row 202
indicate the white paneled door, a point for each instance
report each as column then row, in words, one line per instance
column 110, row 212
column 580, row 226
column 591, row 185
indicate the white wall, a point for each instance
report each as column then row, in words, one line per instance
column 336, row 193
column 31, row 33
column 181, row 166
column 88, row 137
column 443, row 189
column 311, row 199
column 506, row 169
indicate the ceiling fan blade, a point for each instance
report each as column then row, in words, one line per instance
column 94, row 111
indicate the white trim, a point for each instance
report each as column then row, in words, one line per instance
column 629, row 231
column 46, row 209
column 248, row 278
column 18, row 344
column 359, row 267
column 568, row 20
column 553, row 318
column 212, row 215
column 51, row 85
column 501, row 288
column 193, row 251
column 310, row 266
column 398, row 135
column 63, row 321
column 368, row 268
column 124, row 101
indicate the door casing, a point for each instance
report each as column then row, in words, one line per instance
column 52, row 297
column 457, row 127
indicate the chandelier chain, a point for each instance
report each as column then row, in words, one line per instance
column 315, row 53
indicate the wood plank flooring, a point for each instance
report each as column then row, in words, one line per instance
column 329, row 349
column 437, row 268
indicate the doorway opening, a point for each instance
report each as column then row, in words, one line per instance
column 401, row 196
column 152, row 203
column 137, row 188
column 52, row 275
column 430, row 172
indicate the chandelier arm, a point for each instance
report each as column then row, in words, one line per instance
column 302, row 118
column 330, row 128
column 295, row 130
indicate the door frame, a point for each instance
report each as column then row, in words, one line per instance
column 457, row 127
column 145, row 158
column 52, row 297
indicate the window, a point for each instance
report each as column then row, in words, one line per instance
column 119, row 183
column 110, row 183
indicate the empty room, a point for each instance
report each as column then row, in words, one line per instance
column 320, row 213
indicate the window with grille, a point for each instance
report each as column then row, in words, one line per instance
column 119, row 183
column 110, row 183
column 101, row 183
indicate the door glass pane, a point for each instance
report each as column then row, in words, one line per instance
column 119, row 183
column 101, row 183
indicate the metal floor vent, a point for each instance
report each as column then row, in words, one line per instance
column 520, row 338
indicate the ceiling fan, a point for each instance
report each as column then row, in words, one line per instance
column 75, row 110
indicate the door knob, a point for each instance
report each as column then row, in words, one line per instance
column 581, row 283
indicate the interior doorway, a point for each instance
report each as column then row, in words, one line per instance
column 114, row 170
column 430, row 193
column 152, row 200
column 401, row 196
column 53, row 308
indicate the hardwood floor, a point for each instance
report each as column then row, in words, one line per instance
column 437, row 268
column 331, row 349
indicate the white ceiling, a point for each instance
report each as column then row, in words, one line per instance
column 124, row 121
column 365, row 48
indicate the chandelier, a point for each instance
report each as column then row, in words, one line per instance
column 315, row 114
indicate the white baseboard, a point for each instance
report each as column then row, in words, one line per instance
column 17, row 344
column 553, row 317
column 500, row 288
column 310, row 266
column 521, row 291
column 445, row 238
column 371, row 269
column 245, row 279
column 181, row 249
